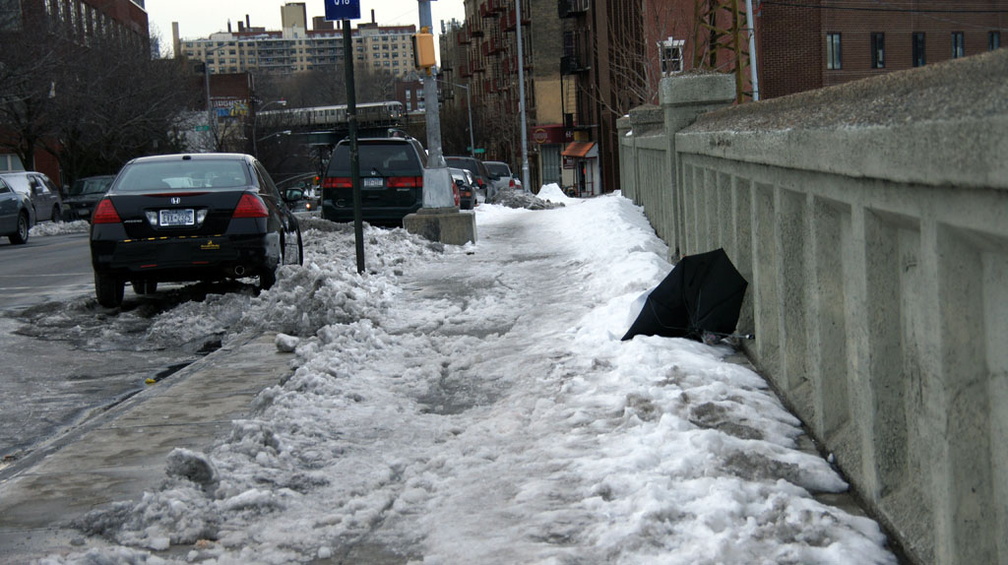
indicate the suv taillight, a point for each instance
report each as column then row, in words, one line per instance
column 105, row 213
column 337, row 182
column 405, row 182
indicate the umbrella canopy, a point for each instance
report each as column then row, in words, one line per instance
column 702, row 294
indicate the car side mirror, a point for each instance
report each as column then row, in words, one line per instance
column 293, row 195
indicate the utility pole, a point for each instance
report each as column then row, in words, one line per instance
column 521, row 99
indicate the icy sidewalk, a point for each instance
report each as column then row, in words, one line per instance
column 475, row 405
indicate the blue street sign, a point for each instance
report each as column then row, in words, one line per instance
column 342, row 10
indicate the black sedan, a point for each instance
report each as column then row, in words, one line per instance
column 82, row 196
column 191, row 217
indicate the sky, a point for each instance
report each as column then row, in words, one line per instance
column 476, row 404
column 199, row 18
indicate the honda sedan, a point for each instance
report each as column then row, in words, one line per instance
column 191, row 217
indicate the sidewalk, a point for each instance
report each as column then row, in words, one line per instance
column 122, row 454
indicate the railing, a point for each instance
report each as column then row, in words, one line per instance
column 871, row 220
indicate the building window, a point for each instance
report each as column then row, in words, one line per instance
column 918, row 49
column 958, row 44
column 671, row 56
column 878, row 50
column 833, row 60
column 993, row 40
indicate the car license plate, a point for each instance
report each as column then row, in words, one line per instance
column 183, row 217
column 372, row 182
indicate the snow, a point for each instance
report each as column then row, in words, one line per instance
column 474, row 404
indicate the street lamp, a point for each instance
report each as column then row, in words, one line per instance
column 255, row 120
column 275, row 134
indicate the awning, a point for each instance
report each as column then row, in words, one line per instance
column 578, row 149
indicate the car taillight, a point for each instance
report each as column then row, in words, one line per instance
column 250, row 207
column 337, row 182
column 105, row 213
column 511, row 183
column 405, row 182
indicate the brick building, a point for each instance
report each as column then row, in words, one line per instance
column 78, row 21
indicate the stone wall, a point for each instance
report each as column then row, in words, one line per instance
column 871, row 220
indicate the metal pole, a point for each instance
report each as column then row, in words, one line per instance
column 355, row 179
column 526, row 185
column 752, row 51
column 437, row 190
column 472, row 144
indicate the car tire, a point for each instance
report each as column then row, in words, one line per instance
column 109, row 290
column 144, row 286
column 20, row 236
column 267, row 279
column 57, row 215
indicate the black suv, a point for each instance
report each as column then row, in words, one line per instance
column 479, row 171
column 392, row 171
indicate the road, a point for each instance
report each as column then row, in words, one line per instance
column 46, row 268
column 64, row 358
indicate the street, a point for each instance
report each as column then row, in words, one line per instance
column 65, row 358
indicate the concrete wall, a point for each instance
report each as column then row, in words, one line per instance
column 871, row 220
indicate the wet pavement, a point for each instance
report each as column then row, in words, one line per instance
column 118, row 455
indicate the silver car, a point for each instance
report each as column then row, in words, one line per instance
column 500, row 176
column 16, row 214
column 44, row 195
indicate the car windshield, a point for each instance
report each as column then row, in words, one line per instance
column 90, row 186
column 378, row 159
column 183, row 174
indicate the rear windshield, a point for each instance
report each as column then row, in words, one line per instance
column 90, row 185
column 498, row 170
column 183, row 174
column 377, row 159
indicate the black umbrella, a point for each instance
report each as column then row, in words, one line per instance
column 702, row 294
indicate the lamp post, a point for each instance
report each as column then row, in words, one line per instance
column 255, row 121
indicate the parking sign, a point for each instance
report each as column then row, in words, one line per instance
column 342, row 10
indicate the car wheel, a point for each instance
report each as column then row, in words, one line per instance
column 144, row 286
column 57, row 216
column 300, row 257
column 267, row 279
column 21, row 235
column 109, row 290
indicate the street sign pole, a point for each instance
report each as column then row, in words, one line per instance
column 347, row 10
column 355, row 179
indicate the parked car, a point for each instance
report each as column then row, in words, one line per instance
column 464, row 187
column 474, row 166
column 44, row 195
column 82, row 196
column 501, row 176
column 392, row 174
column 200, row 217
column 308, row 184
column 17, row 216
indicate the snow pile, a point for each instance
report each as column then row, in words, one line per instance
column 517, row 198
column 59, row 228
column 475, row 404
column 553, row 193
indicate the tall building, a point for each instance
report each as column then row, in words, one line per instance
column 480, row 62
column 295, row 48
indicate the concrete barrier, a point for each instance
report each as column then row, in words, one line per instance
column 871, row 220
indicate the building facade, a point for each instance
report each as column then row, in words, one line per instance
column 81, row 22
column 295, row 48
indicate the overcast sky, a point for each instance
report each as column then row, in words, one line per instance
column 200, row 18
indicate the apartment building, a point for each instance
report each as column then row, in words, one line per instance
column 295, row 48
